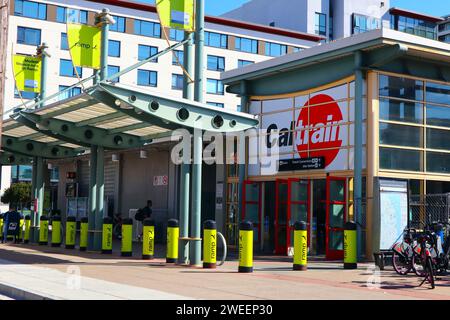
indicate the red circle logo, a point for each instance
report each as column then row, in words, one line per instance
column 318, row 134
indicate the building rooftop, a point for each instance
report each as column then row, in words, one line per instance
column 414, row 14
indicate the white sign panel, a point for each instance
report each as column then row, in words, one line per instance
column 160, row 181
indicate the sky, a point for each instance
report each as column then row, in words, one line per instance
column 431, row 7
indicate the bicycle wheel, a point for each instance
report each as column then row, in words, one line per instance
column 417, row 265
column 402, row 265
column 430, row 272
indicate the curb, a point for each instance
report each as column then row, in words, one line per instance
column 20, row 294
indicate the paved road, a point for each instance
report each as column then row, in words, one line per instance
column 52, row 271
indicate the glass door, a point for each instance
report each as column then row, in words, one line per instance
column 252, row 206
column 336, row 217
column 281, row 212
column 298, row 206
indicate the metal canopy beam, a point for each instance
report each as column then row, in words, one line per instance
column 9, row 159
column 32, row 136
column 87, row 135
column 36, row 149
column 171, row 113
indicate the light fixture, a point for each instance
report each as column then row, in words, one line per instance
column 143, row 154
column 115, row 157
column 49, row 166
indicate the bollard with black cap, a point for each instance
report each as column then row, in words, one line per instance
column 300, row 246
column 107, row 235
column 26, row 236
column 350, row 246
column 126, row 249
column 56, row 231
column 209, row 244
column 246, row 247
column 43, row 231
column 84, row 227
column 71, row 232
column 1, row 227
column 148, row 244
column 173, row 233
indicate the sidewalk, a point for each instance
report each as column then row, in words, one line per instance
column 52, row 273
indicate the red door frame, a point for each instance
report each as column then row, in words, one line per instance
column 334, row 254
column 244, row 205
column 283, row 249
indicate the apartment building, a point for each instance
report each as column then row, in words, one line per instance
column 444, row 29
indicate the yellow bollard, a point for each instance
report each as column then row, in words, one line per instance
column 84, row 226
column 43, row 231
column 21, row 224
column 350, row 246
column 26, row 236
column 56, row 231
column 300, row 246
column 173, row 233
column 1, row 227
column 107, row 235
column 71, row 232
column 126, row 249
column 246, row 247
column 148, row 244
column 209, row 244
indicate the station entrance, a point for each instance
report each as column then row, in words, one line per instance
column 275, row 206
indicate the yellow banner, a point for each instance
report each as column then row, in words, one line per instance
column 176, row 14
column 84, row 45
column 27, row 73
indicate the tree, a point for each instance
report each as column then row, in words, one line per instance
column 18, row 195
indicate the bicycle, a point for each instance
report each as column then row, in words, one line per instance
column 403, row 252
column 426, row 252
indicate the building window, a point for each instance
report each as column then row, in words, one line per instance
column 216, row 63
column 145, row 52
column 177, row 54
column 320, row 24
column 297, row 49
column 177, row 81
column 176, row 35
column 330, row 28
column 147, row 78
column 66, row 69
column 112, row 70
column 217, row 40
column 28, row 36
column 275, row 49
column 417, row 27
column 30, row 9
column 120, row 24
column 214, row 86
column 25, row 94
column 445, row 38
column 243, row 63
column 69, row 15
column 246, row 45
column 21, row 173
column 362, row 23
column 114, row 48
column 147, row 28
column 68, row 93
column 216, row 104
column 64, row 42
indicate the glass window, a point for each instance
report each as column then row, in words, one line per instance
column 120, row 24
column 25, row 173
column 243, row 63
column 246, row 45
column 363, row 23
column 216, row 40
column 70, row 15
column 216, row 63
column 147, row 78
column 145, row 52
column 112, row 70
column 30, row 9
column 438, row 162
column 64, row 42
column 147, row 28
column 438, row 93
column 113, row 48
column 216, row 104
column 401, row 88
column 28, row 36
column 275, row 49
column 400, row 159
column 438, row 139
column 396, row 110
column 25, row 94
column 177, row 54
column 66, row 69
column 176, row 35
column 321, row 24
column 177, row 81
column 214, row 86
column 400, row 135
column 68, row 93
column 438, row 116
